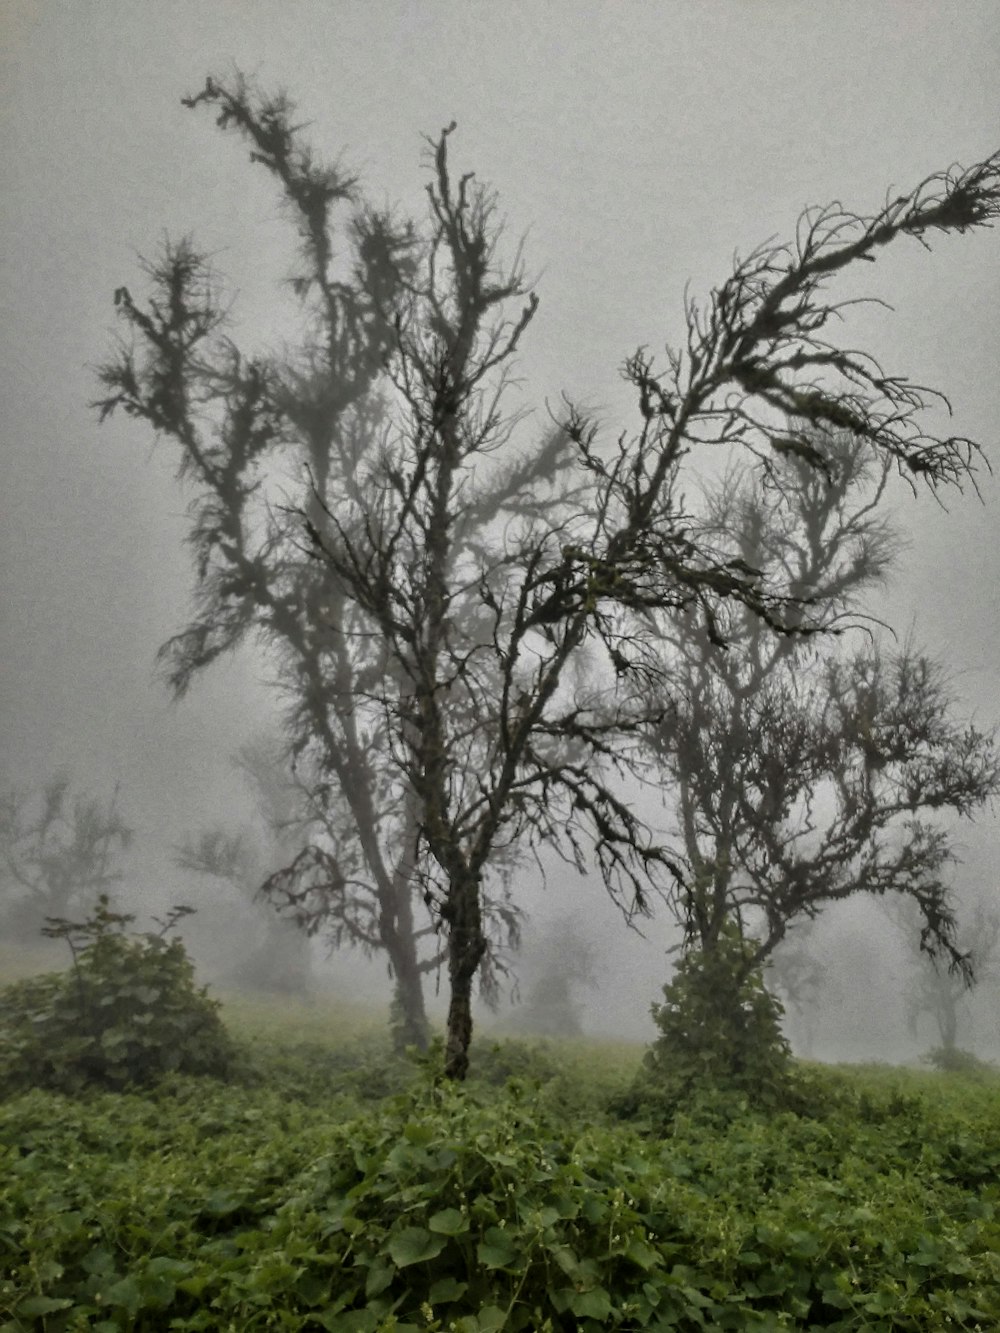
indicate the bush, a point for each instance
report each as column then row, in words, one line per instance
column 365, row 1069
column 720, row 1037
column 127, row 1012
column 495, row 1063
column 952, row 1060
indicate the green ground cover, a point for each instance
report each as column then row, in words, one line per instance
column 327, row 1186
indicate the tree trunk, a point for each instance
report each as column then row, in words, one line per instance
column 466, row 946
column 409, row 1018
column 947, row 1014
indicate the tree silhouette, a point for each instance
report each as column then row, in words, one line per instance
column 59, row 852
column 934, row 991
column 807, row 771
column 243, row 858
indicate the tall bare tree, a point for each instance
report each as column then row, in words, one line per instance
column 432, row 641
column 806, row 772
column 260, row 438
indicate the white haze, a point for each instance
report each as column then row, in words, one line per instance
column 638, row 146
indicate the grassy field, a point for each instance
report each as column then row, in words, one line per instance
column 328, row 1186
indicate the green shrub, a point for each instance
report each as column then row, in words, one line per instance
column 720, row 1039
column 494, row 1063
column 127, row 1012
column 951, row 1060
column 365, row 1068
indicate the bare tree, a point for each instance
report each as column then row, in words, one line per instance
column 243, row 858
column 800, row 977
column 463, row 575
column 934, row 991
column 259, row 438
column 557, row 968
column 806, row 772
column 59, row 851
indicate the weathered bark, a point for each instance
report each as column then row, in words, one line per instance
column 466, row 946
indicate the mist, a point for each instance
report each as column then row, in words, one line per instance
column 636, row 156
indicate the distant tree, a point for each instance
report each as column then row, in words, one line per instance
column 556, row 971
column 806, row 771
column 936, row 992
column 59, row 851
column 799, row 977
column 280, row 959
column 431, row 586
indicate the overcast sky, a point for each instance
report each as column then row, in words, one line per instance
column 638, row 145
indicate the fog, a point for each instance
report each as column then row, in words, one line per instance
column 636, row 147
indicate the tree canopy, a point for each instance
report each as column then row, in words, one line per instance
column 807, row 771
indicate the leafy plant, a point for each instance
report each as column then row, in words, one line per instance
column 720, row 1030
column 127, row 1011
column 198, row 1205
column 498, row 1062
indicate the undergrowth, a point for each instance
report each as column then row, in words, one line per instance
column 125, row 1013
column 339, row 1188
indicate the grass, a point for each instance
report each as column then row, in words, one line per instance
column 330, row 1186
column 326, row 1020
column 26, row 960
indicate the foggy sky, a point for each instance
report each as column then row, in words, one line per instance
column 637, row 146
